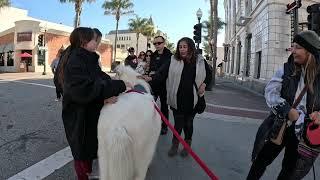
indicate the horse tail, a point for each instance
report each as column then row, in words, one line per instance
column 118, row 153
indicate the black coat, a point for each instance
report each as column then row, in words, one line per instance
column 156, row 63
column 289, row 87
column 85, row 87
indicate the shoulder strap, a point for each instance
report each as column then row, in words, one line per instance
column 297, row 101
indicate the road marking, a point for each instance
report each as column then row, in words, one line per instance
column 237, row 108
column 45, row 167
column 36, row 84
column 228, row 118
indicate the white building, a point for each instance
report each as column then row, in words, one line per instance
column 257, row 35
column 127, row 39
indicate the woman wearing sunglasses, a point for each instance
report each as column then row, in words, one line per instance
column 141, row 63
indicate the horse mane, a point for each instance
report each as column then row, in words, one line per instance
column 126, row 73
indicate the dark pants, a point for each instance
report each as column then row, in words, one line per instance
column 183, row 122
column 58, row 93
column 164, row 105
column 83, row 168
column 294, row 166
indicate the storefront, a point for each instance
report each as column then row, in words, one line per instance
column 31, row 45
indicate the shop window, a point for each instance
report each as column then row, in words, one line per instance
column 10, row 60
column 41, row 57
column 1, row 59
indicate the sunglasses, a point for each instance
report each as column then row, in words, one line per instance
column 148, row 55
column 142, row 54
column 157, row 43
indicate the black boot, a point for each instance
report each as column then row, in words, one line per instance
column 184, row 152
column 174, row 148
column 163, row 131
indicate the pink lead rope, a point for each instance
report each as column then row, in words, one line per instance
column 185, row 145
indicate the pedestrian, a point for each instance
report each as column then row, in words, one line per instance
column 161, row 56
column 186, row 76
column 86, row 88
column 141, row 63
column 131, row 59
column 54, row 66
column 148, row 59
column 301, row 70
column 99, row 37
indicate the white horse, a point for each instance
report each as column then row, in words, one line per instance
column 128, row 132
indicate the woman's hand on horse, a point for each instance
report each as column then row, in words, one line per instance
column 147, row 78
column 202, row 88
column 315, row 116
column 293, row 114
column 128, row 86
column 111, row 100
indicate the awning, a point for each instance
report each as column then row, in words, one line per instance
column 25, row 55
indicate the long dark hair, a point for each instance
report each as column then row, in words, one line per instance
column 78, row 38
column 192, row 52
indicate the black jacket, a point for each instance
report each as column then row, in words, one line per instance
column 85, row 87
column 289, row 87
column 187, row 82
column 156, row 62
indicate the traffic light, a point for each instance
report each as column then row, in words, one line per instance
column 197, row 33
column 314, row 18
column 40, row 40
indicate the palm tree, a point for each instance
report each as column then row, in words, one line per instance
column 138, row 25
column 77, row 8
column 117, row 8
column 171, row 47
column 214, row 36
column 4, row 3
column 206, row 28
column 149, row 31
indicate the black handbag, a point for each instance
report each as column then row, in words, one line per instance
column 201, row 104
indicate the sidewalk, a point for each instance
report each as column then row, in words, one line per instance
column 229, row 99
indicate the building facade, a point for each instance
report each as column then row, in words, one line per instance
column 30, row 45
column 258, row 35
column 127, row 39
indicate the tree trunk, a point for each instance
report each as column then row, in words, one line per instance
column 214, row 10
column 78, row 10
column 115, row 39
column 137, row 45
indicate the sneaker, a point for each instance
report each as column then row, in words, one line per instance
column 164, row 131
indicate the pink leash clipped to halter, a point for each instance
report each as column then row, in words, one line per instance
column 185, row 145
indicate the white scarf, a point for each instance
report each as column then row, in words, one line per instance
column 174, row 77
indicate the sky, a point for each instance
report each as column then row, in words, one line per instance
column 174, row 17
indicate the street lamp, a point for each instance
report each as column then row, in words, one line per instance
column 197, row 30
column 199, row 15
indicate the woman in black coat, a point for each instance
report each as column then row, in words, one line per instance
column 85, row 89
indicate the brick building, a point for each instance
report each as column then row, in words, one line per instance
column 38, row 39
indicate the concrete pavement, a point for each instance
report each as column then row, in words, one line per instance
column 223, row 135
